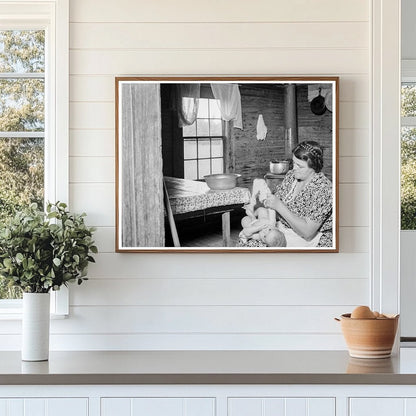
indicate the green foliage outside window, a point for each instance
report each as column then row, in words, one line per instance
column 408, row 159
column 21, row 110
column 408, row 179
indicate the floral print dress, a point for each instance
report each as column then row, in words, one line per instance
column 313, row 202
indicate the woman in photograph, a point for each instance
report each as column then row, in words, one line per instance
column 303, row 201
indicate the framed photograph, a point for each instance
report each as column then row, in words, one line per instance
column 235, row 164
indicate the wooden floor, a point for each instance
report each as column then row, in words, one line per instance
column 206, row 232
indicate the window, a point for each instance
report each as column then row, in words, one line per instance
column 22, row 124
column 33, row 111
column 203, row 142
column 408, row 155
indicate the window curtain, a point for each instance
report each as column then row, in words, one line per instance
column 230, row 100
column 187, row 100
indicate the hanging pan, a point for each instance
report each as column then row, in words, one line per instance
column 318, row 106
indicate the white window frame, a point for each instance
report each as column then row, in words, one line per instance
column 53, row 17
column 385, row 148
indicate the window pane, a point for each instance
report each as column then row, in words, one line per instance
column 215, row 127
column 203, row 108
column 202, row 127
column 214, row 109
column 22, row 51
column 409, row 100
column 408, row 175
column 216, row 147
column 204, row 168
column 22, row 105
column 217, row 166
column 190, row 171
column 189, row 149
column 21, row 183
column 204, row 148
column 189, row 131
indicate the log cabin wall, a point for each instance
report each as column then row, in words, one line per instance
column 251, row 156
column 313, row 127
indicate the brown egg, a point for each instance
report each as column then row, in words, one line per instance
column 362, row 312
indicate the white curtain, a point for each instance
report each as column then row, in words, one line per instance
column 230, row 100
column 187, row 103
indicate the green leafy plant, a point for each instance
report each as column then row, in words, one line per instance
column 43, row 251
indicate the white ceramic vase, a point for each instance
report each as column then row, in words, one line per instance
column 35, row 326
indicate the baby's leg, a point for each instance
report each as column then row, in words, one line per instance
column 260, row 189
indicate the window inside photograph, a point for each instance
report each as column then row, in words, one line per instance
column 22, row 124
column 203, row 142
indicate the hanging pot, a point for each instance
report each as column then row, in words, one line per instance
column 318, row 106
column 35, row 326
column 328, row 101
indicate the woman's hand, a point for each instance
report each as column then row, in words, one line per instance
column 274, row 202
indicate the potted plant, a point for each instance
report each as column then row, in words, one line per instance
column 40, row 252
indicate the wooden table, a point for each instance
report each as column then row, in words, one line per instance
column 195, row 199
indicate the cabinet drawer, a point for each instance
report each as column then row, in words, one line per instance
column 44, row 407
column 382, row 406
column 281, row 406
column 160, row 406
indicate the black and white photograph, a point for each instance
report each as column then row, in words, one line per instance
column 227, row 164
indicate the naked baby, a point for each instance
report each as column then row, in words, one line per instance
column 260, row 224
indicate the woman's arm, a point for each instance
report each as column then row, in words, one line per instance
column 304, row 227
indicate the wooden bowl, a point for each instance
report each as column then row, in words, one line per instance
column 369, row 338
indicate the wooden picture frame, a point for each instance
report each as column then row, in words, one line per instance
column 173, row 131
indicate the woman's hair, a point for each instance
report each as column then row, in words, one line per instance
column 310, row 152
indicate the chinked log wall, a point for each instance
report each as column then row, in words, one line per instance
column 252, row 156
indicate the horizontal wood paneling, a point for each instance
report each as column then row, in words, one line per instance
column 195, row 319
column 236, row 265
column 354, row 205
column 92, row 115
column 92, row 169
column 200, row 319
column 96, row 143
column 352, row 239
column 219, row 11
column 354, row 170
column 354, row 142
column 220, row 291
column 193, row 341
column 99, row 88
column 220, row 62
column 96, row 199
column 218, row 35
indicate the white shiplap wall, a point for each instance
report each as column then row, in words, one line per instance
column 212, row 301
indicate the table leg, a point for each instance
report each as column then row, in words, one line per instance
column 226, row 233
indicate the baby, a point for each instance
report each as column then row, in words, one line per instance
column 261, row 225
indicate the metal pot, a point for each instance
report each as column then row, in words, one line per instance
column 279, row 167
column 318, row 106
